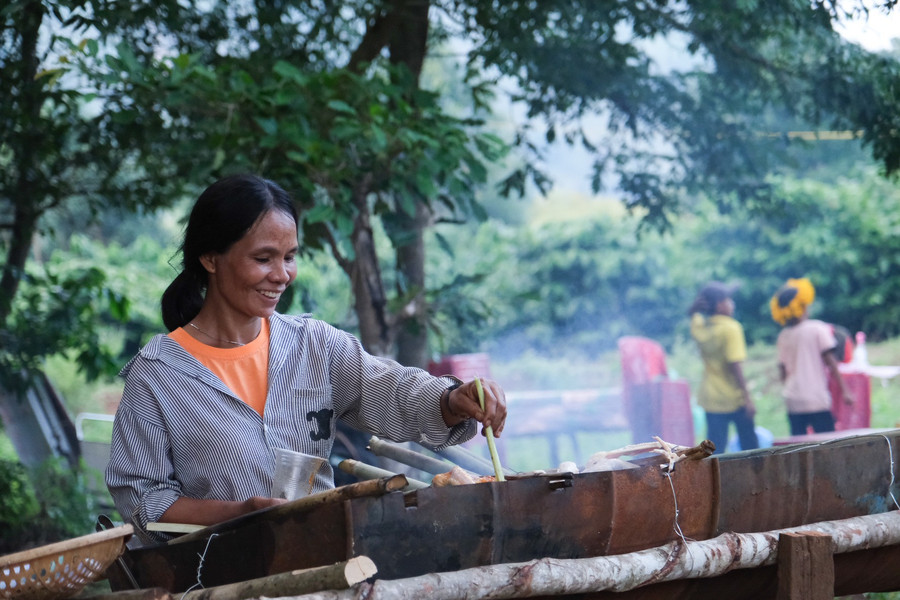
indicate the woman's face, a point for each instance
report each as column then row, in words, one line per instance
column 249, row 278
column 725, row 307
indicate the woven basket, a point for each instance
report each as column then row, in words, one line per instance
column 62, row 569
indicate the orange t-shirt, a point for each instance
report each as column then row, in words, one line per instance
column 244, row 369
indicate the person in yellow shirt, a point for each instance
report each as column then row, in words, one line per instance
column 723, row 392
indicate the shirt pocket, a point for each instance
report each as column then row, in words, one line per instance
column 316, row 412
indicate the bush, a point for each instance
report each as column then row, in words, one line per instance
column 46, row 505
column 18, row 505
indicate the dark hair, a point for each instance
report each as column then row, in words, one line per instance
column 785, row 295
column 222, row 215
column 709, row 297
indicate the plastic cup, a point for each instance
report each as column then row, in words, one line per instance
column 295, row 474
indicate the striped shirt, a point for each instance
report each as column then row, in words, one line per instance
column 179, row 431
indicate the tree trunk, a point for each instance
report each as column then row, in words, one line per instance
column 27, row 192
column 408, row 46
column 412, row 328
column 365, row 278
column 403, row 28
column 674, row 561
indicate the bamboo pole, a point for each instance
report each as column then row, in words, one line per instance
column 673, row 561
column 338, row 576
column 366, row 472
column 380, row 447
column 470, row 461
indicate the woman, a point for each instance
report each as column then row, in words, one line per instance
column 205, row 407
column 806, row 355
column 723, row 393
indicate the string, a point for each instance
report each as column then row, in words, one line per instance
column 199, row 567
column 677, row 527
column 891, row 485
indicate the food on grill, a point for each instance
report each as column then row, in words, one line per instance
column 459, row 476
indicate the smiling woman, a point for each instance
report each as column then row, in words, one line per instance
column 206, row 406
column 246, row 282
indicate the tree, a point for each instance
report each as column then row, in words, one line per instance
column 58, row 151
column 669, row 135
column 327, row 97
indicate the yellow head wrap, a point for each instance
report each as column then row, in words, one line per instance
column 791, row 300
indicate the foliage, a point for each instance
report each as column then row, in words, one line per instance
column 330, row 103
column 573, row 286
column 138, row 272
column 58, row 149
column 58, row 313
column 48, row 505
column 841, row 235
column 350, row 147
column 168, row 94
column 18, row 504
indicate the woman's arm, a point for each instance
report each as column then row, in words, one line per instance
column 210, row 512
column 832, row 364
column 737, row 372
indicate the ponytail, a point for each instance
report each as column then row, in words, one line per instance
column 182, row 300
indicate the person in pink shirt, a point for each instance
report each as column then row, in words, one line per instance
column 805, row 349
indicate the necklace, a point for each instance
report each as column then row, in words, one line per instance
column 212, row 337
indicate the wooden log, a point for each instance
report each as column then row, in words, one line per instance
column 370, row 487
column 154, row 593
column 673, row 561
column 805, row 566
column 339, row 576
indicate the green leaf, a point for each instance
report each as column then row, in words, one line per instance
column 269, row 125
column 341, row 107
column 320, row 214
column 290, row 72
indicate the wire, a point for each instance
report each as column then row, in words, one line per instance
column 200, row 567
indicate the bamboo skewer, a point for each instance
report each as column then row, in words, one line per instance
column 489, row 433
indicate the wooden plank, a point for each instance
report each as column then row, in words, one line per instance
column 805, row 566
column 174, row 527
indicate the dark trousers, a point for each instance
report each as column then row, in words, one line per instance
column 717, row 429
column 820, row 421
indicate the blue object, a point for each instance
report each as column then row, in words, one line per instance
column 764, row 436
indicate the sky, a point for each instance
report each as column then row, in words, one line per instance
column 875, row 33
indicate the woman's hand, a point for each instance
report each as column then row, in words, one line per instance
column 462, row 403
